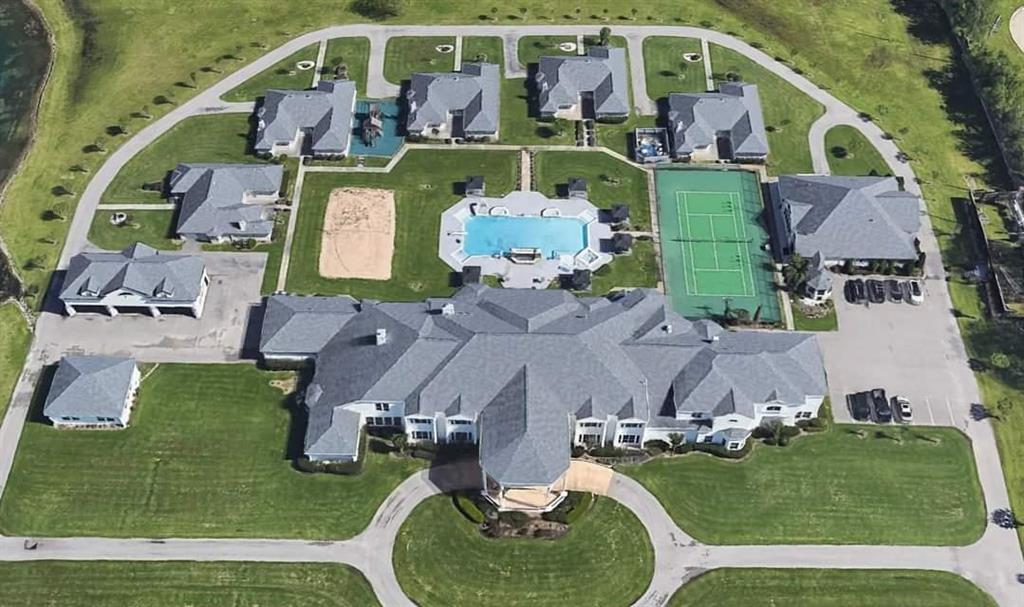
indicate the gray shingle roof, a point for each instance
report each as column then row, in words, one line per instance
column 89, row 386
column 475, row 91
column 850, row 217
column 159, row 278
column 818, row 276
column 602, row 71
column 325, row 113
column 539, row 356
column 696, row 120
column 212, row 198
column 294, row 325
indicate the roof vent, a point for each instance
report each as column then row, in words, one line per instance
column 667, row 328
column 448, row 309
column 382, row 337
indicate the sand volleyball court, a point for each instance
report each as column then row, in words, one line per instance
column 358, row 238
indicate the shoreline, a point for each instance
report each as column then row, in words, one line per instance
column 31, row 124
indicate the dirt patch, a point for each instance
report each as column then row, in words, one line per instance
column 286, row 386
column 358, row 238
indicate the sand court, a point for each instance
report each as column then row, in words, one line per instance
column 358, row 239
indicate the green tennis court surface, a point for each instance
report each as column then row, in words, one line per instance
column 711, row 243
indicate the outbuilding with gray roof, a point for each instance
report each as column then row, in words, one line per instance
column 92, row 391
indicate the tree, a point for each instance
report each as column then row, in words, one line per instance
column 494, row 13
column 522, row 11
column 675, row 440
column 578, row 10
column 795, row 272
column 634, row 12
column 604, row 13
column 775, row 429
column 400, row 441
column 998, row 360
column 1004, row 407
column 378, row 10
column 604, row 36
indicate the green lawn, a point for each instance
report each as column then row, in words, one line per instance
column 638, row 269
column 15, row 340
column 488, row 47
column 532, row 48
column 424, row 187
column 155, row 228
column 407, row 55
column 618, row 136
column 216, row 138
column 609, row 181
column 173, row 584
column 667, row 71
column 829, row 488
column 283, row 75
column 205, row 456
column 605, row 560
column 803, row 322
column 829, row 588
column 850, row 153
column 788, row 113
column 354, row 53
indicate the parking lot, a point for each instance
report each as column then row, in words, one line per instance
column 908, row 350
column 235, row 282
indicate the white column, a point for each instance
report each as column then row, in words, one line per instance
column 112, row 311
column 154, row 312
column 70, row 309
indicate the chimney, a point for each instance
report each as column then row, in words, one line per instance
column 382, row 337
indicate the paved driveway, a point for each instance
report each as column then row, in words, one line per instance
column 235, row 281
column 915, row 351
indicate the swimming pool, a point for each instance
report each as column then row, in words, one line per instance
column 497, row 235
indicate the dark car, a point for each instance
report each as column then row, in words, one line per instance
column 895, row 290
column 876, row 291
column 860, row 409
column 855, row 291
column 880, row 406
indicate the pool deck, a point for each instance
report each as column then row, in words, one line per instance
column 536, row 275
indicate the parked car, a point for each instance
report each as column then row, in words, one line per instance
column 876, row 291
column 895, row 290
column 881, row 411
column 915, row 294
column 859, row 291
column 860, row 409
column 901, row 407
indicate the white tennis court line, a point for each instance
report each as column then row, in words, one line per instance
column 743, row 275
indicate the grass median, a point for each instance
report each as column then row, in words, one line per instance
column 172, row 584
column 207, row 455
column 15, row 339
column 913, row 486
column 830, row 588
column 606, row 559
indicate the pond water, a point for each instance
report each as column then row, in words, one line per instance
column 24, row 54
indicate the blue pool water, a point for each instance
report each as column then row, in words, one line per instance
column 495, row 235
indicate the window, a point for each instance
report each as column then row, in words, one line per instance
column 733, row 446
column 632, row 425
column 421, row 435
column 591, row 424
column 629, row 439
column 708, row 439
column 803, row 415
column 419, row 420
column 696, row 415
column 461, row 437
column 773, row 408
column 382, row 406
column 459, row 422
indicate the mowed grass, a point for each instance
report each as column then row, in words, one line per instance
column 216, row 138
column 829, row 588
column 155, row 228
column 207, row 455
column 424, row 183
column 850, row 153
column 406, row 55
column 826, row 322
column 282, row 75
column 519, row 124
column 606, row 559
column 788, row 113
column 354, row 54
column 15, row 340
column 532, row 48
column 667, row 71
column 488, row 48
column 609, row 181
column 828, row 488
column 173, row 584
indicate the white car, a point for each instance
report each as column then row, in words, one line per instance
column 901, row 406
column 915, row 292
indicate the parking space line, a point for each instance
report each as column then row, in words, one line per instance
column 931, row 415
column 949, row 407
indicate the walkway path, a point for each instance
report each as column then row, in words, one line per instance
column 991, row 562
column 705, row 53
column 293, row 218
column 318, row 69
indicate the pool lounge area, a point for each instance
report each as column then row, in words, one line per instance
column 524, row 238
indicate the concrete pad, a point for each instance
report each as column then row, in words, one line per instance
column 588, row 477
column 914, row 351
column 235, row 284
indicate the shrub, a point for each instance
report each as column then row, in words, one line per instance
column 570, row 509
column 656, row 447
column 514, row 519
column 377, row 9
column 605, row 451
column 465, row 504
column 578, row 451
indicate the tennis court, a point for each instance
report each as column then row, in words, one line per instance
column 712, row 241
